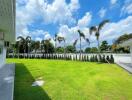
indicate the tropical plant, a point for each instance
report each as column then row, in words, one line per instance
column 60, row 39
column 60, row 50
column 96, row 30
column 55, row 39
column 70, row 49
column 47, row 46
column 88, row 50
column 94, row 50
column 81, row 35
column 24, row 43
column 36, row 45
column 104, row 46
column 122, row 38
column 74, row 44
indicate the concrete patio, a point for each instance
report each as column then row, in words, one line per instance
column 126, row 66
column 7, row 73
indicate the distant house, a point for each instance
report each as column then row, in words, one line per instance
column 128, row 43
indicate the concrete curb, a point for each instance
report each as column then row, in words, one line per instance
column 127, row 68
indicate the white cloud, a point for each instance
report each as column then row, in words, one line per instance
column 114, row 29
column 110, row 32
column 113, row 1
column 59, row 11
column 74, row 5
column 127, row 8
column 85, row 21
column 38, row 39
column 56, row 12
column 102, row 12
column 71, row 35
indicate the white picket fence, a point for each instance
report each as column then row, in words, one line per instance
column 72, row 56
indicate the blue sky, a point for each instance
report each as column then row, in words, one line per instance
column 41, row 19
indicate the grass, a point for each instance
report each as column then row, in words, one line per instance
column 71, row 80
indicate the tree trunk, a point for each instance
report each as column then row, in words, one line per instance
column 18, row 51
column 24, row 52
column 13, row 52
column 64, row 50
column 35, row 53
column 98, row 46
column 99, row 49
column 55, row 46
column 27, row 51
column 80, row 49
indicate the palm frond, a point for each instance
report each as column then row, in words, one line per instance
column 56, row 35
column 81, row 34
column 102, row 24
column 92, row 29
column 60, row 39
column 55, row 38
column 75, row 42
column 28, row 38
column 97, row 35
column 87, row 40
column 21, row 38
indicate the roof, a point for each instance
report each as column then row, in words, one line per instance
column 7, row 19
column 127, row 43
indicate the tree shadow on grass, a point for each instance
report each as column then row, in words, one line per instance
column 23, row 89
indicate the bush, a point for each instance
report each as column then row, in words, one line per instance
column 108, row 58
column 96, row 58
column 76, row 56
column 91, row 58
column 87, row 58
column 111, row 59
column 103, row 59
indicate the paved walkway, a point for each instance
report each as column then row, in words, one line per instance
column 7, row 82
column 126, row 66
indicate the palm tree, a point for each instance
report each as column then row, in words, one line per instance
column 25, row 43
column 21, row 43
column 55, row 39
column 46, row 45
column 74, row 43
column 42, row 47
column 81, row 34
column 17, row 48
column 60, row 39
column 96, row 30
column 36, row 45
column 28, row 41
column 13, row 48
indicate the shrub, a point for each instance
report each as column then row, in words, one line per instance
column 111, row 59
column 91, row 58
column 96, row 58
column 108, row 58
column 76, row 56
column 87, row 58
column 103, row 59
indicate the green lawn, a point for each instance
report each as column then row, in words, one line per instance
column 71, row 80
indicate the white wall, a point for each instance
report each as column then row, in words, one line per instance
column 3, row 54
column 124, row 58
column 131, row 53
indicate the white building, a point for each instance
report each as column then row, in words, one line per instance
column 7, row 27
column 124, row 61
column 128, row 43
column 7, row 37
